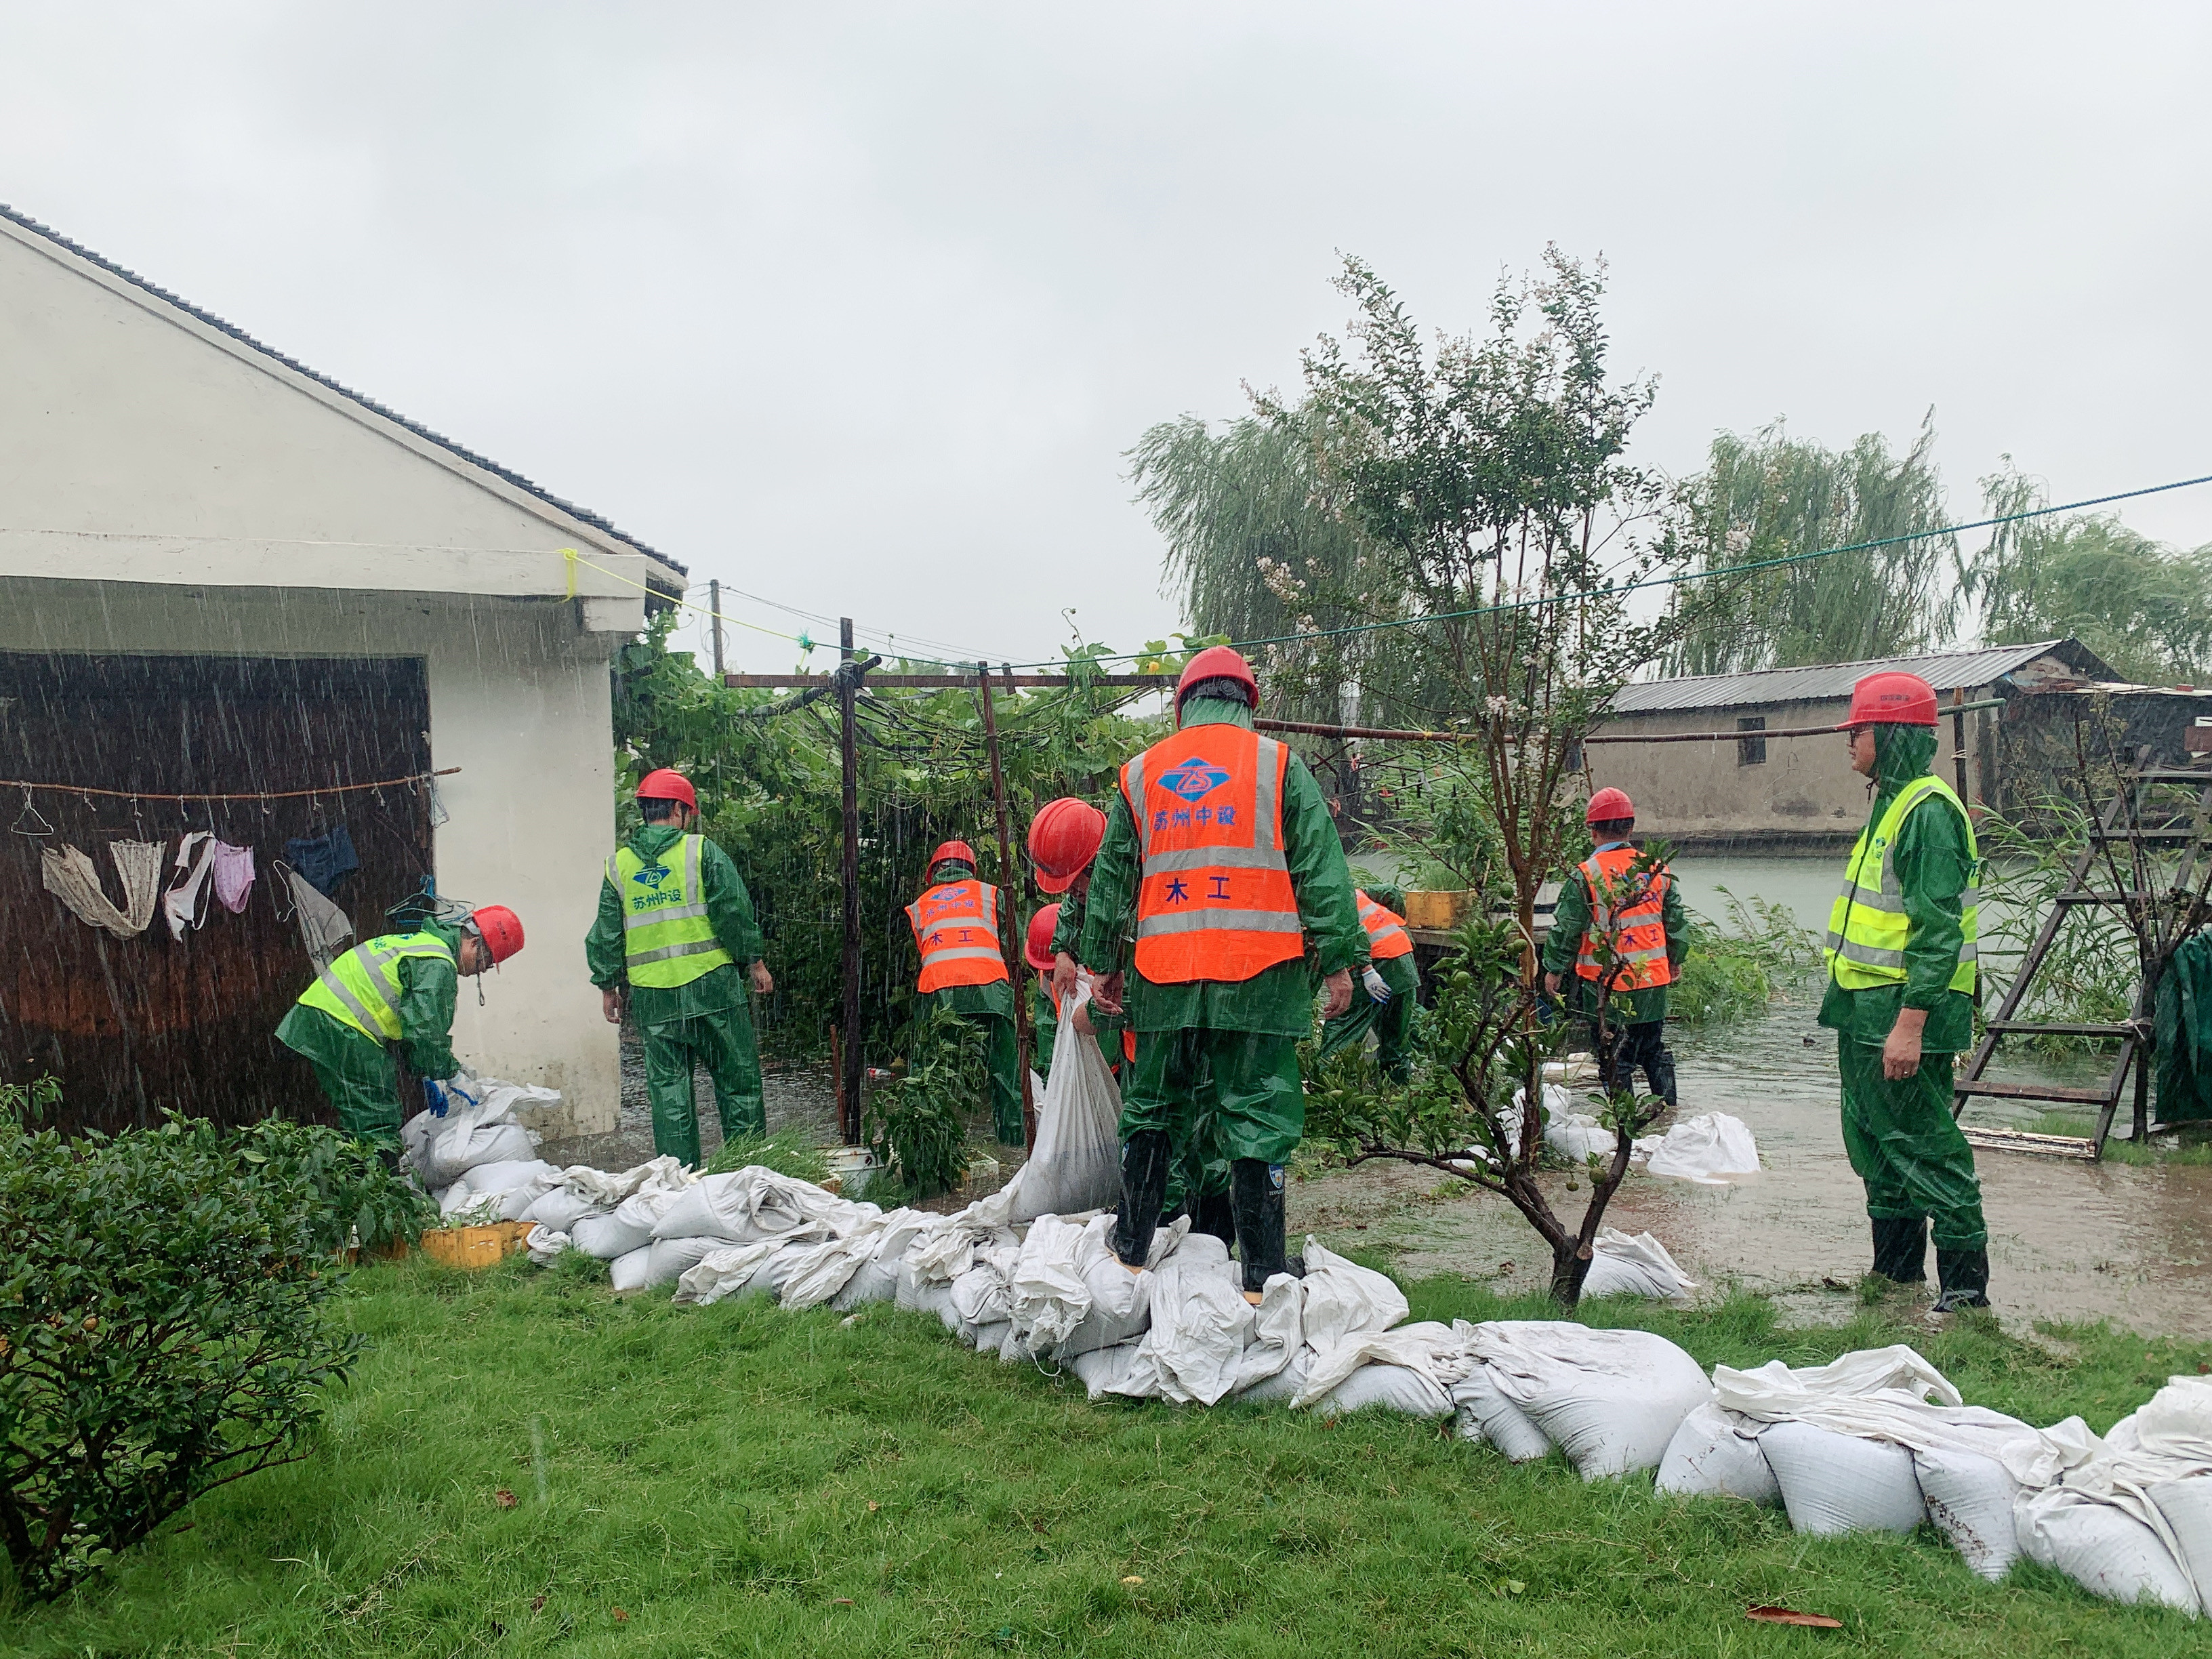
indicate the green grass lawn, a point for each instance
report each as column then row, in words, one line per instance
column 527, row 1465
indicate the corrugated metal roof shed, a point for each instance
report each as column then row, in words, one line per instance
column 1946, row 671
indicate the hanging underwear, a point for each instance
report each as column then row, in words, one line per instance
column 234, row 876
column 324, row 859
column 324, row 928
column 68, row 874
column 181, row 902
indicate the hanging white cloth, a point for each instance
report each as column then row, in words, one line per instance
column 69, row 875
column 324, row 928
column 181, row 902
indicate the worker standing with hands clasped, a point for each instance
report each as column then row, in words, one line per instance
column 1389, row 982
column 675, row 922
column 395, row 991
column 1221, row 846
column 955, row 928
column 1901, row 959
column 1650, row 928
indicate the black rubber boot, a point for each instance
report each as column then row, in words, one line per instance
column 1213, row 1213
column 1146, row 1156
column 1962, row 1278
column 1659, row 1072
column 1255, row 1194
column 1900, row 1248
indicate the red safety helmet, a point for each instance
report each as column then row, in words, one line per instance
column 953, row 849
column 1064, row 838
column 668, row 785
column 500, row 928
column 1891, row 698
column 1038, row 951
column 1216, row 662
column 1608, row 805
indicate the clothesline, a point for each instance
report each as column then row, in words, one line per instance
column 264, row 794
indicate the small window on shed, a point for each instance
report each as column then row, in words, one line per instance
column 1751, row 751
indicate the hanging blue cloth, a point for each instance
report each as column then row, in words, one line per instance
column 324, row 859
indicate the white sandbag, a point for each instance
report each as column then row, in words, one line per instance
column 496, row 1180
column 981, row 1297
column 668, row 1259
column 604, row 1190
column 544, row 1244
column 1610, row 1399
column 1343, row 1299
column 2187, row 1506
column 1710, row 1149
column 1622, row 1266
column 754, row 1203
column 1435, row 1350
column 507, row 1100
column 628, row 1226
column 1484, row 1413
column 1279, row 1387
column 986, row 1339
column 872, row 1281
column 627, row 1272
column 1076, row 1164
column 1392, row 1388
column 415, row 1137
column 1120, row 1301
column 2101, row 1547
column 1971, row 1497
column 1277, row 1337
column 1108, row 1370
column 1577, row 1136
column 1833, row 1483
column 1715, row 1454
column 820, row 1271
column 1200, row 1326
column 562, row 1209
column 1049, row 1292
column 516, row 1202
column 461, row 1148
column 727, row 1272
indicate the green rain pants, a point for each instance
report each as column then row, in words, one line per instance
column 1002, row 1059
column 1258, row 1099
column 1392, row 1022
column 362, row 1083
column 723, row 1042
column 1906, row 1147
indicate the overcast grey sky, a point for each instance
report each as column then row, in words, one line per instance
column 857, row 307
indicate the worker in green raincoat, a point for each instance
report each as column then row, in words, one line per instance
column 1902, row 958
column 1620, row 922
column 675, row 926
column 396, row 991
column 956, row 929
column 1221, row 864
column 1390, row 980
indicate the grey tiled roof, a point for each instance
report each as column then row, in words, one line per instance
column 239, row 335
column 1946, row 671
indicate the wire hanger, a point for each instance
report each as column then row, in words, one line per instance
column 30, row 821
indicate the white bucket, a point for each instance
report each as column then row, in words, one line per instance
column 851, row 1168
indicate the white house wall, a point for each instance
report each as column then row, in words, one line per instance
column 519, row 701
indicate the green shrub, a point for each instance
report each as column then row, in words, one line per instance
column 1735, row 975
column 918, row 1122
column 791, row 1152
column 355, row 1198
column 162, row 1322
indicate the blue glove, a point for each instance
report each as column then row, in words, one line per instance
column 444, row 1096
column 434, row 1097
column 1377, row 987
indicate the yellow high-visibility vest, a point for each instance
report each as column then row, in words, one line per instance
column 668, row 939
column 362, row 988
column 1867, row 924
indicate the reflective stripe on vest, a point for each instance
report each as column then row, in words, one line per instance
column 362, row 988
column 956, row 927
column 668, row 939
column 1214, row 900
column 1386, row 929
column 1639, row 929
column 1867, row 928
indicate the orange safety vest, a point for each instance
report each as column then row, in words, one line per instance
column 1215, row 901
column 1641, row 947
column 1386, row 929
column 955, row 924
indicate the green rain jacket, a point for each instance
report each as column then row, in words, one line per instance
column 1934, row 868
column 428, row 988
column 1277, row 1000
column 729, row 907
column 1572, row 919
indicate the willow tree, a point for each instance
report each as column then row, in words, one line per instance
column 1771, row 496
column 1490, row 475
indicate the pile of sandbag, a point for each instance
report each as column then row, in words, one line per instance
column 478, row 1161
column 1712, row 1149
column 1879, row 1440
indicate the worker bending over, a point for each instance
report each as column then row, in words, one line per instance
column 397, row 990
column 1221, row 861
column 1901, row 962
column 675, row 922
column 1390, row 980
column 1649, row 928
column 955, row 928
column 1044, row 1007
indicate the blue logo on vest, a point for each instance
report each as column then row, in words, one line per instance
column 1194, row 779
column 653, row 875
